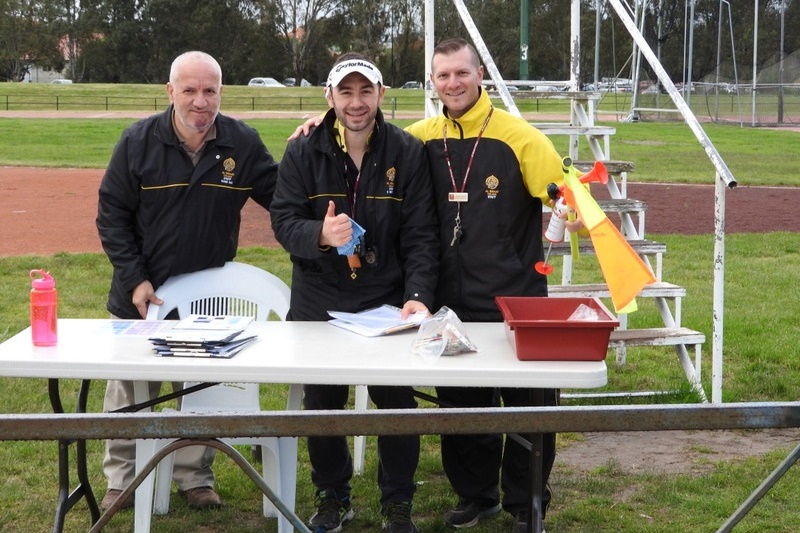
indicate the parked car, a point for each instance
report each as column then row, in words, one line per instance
column 61, row 81
column 292, row 82
column 412, row 85
column 265, row 82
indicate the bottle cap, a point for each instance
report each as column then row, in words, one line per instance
column 44, row 282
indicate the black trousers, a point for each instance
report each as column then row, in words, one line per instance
column 331, row 461
column 476, row 464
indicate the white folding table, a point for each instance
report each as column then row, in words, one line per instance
column 293, row 353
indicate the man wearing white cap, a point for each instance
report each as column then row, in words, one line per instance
column 354, row 208
column 490, row 172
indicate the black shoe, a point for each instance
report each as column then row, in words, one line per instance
column 467, row 514
column 397, row 518
column 332, row 512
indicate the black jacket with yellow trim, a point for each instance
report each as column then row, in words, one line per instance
column 158, row 215
column 502, row 220
column 399, row 258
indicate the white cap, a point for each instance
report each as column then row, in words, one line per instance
column 364, row 67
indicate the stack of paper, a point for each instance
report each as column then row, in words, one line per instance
column 382, row 320
column 204, row 336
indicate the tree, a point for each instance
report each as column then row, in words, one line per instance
column 27, row 38
column 237, row 48
column 404, row 53
column 134, row 41
column 117, row 50
column 300, row 28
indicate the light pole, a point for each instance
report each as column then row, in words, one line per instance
column 523, row 39
column 687, row 87
column 780, row 69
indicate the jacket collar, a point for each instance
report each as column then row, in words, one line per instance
column 166, row 132
column 473, row 119
column 326, row 132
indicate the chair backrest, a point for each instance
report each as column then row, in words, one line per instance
column 232, row 289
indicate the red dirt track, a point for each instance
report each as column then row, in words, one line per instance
column 47, row 210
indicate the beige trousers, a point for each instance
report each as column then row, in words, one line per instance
column 192, row 464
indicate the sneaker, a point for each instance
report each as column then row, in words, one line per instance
column 202, row 498
column 468, row 513
column 111, row 496
column 332, row 512
column 521, row 522
column 397, row 518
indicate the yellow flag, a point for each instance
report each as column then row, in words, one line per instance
column 624, row 271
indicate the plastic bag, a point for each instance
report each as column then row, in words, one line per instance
column 442, row 334
column 584, row 312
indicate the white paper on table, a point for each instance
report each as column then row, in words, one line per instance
column 381, row 320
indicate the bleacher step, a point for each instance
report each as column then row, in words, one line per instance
column 612, row 166
column 640, row 246
column 551, row 128
column 659, row 289
column 655, row 337
column 622, row 205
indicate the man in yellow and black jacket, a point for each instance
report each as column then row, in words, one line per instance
column 490, row 173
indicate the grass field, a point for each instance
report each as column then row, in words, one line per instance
column 762, row 358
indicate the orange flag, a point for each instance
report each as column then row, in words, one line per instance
column 624, row 271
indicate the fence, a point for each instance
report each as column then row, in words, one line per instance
column 767, row 105
column 393, row 104
column 65, row 103
column 56, row 102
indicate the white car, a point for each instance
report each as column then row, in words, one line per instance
column 265, row 82
column 61, row 81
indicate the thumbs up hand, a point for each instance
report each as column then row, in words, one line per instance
column 336, row 229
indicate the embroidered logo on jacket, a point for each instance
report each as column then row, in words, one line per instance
column 391, row 174
column 492, row 184
column 228, row 171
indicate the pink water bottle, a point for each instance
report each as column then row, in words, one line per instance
column 44, row 308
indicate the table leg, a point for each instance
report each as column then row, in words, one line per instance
column 535, row 448
column 67, row 499
column 536, row 456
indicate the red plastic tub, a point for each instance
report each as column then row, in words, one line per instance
column 539, row 328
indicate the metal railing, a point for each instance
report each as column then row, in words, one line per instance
column 402, row 421
column 67, row 427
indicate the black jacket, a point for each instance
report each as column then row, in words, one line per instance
column 158, row 215
column 394, row 205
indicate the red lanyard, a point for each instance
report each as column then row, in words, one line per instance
column 471, row 156
column 457, row 225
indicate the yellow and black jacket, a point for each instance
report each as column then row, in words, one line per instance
column 501, row 220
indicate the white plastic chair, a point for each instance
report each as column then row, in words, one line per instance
column 233, row 289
